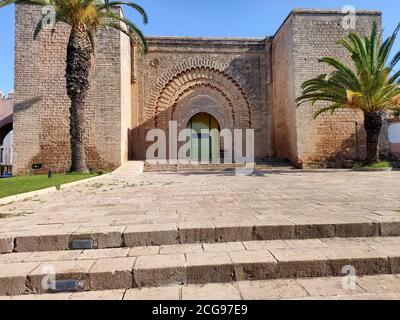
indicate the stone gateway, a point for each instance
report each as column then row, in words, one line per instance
column 223, row 83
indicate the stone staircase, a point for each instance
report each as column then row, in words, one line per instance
column 190, row 261
column 269, row 164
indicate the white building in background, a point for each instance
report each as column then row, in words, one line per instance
column 6, row 128
column 6, row 150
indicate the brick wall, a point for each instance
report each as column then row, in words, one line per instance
column 310, row 35
column 232, row 71
column 245, row 83
column 283, row 95
column 41, row 112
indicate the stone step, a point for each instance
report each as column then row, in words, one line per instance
column 215, row 167
column 379, row 287
column 45, row 238
column 157, row 266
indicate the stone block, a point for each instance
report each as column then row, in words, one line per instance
column 307, row 262
column 109, row 274
column 143, row 251
column 209, row 267
column 365, row 260
column 40, row 278
column 13, row 277
column 357, row 229
column 271, row 289
column 103, row 254
column 265, row 245
column 333, row 286
column 190, row 232
column 393, row 254
column 380, row 284
column 390, row 229
column 315, row 231
column 211, row 291
column 275, row 232
column 98, row 295
column 42, row 256
column 162, row 293
column 14, row 257
column 223, row 247
column 151, row 234
column 160, row 270
column 105, row 237
column 254, row 265
column 181, row 248
column 6, row 244
column 39, row 240
column 44, row 297
column 233, row 231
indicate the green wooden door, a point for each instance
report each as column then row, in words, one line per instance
column 205, row 139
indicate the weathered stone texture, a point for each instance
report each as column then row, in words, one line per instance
column 310, row 35
column 181, row 77
column 243, row 83
column 41, row 112
column 284, row 113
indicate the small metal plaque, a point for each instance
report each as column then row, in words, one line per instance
column 37, row 166
column 67, row 285
column 83, row 244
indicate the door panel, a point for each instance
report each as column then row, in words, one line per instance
column 205, row 140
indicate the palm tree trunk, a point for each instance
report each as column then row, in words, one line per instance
column 373, row 125
column 79, row 54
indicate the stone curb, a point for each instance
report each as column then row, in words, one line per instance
column 26, row 195
column 325, row 288
column 366, row 169
column 149, row 235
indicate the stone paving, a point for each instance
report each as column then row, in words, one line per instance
column 161, row 229
column 157, row 266
column 127, row 200
column 382, row 287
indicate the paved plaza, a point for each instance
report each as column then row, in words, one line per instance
column 125, row 198
column 277, row 234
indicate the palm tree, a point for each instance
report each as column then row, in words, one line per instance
column 370, row 85
column 85, row 17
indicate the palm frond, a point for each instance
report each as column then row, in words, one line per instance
column 133, row 30
column 331, row 108
column 132, row 5
column 369, row 84
column 395, row 60
column 92, row 14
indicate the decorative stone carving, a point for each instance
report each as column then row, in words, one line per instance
column 154, row 63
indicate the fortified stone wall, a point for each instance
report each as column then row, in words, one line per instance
column 243, row 83
column 229, row 75
column 41, row 111
column 310, row 35
column 283, row 95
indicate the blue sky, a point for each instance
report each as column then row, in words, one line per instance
column 239, row 18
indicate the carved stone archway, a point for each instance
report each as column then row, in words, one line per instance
column 160, row 107
column 203, row 100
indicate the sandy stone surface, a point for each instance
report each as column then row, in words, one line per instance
column 166, row 202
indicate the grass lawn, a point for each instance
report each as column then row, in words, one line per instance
column 378, row 165
column 17, row 185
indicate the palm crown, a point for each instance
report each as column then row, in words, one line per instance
column 371, row 85
column 91, row 14
column 84, row 17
